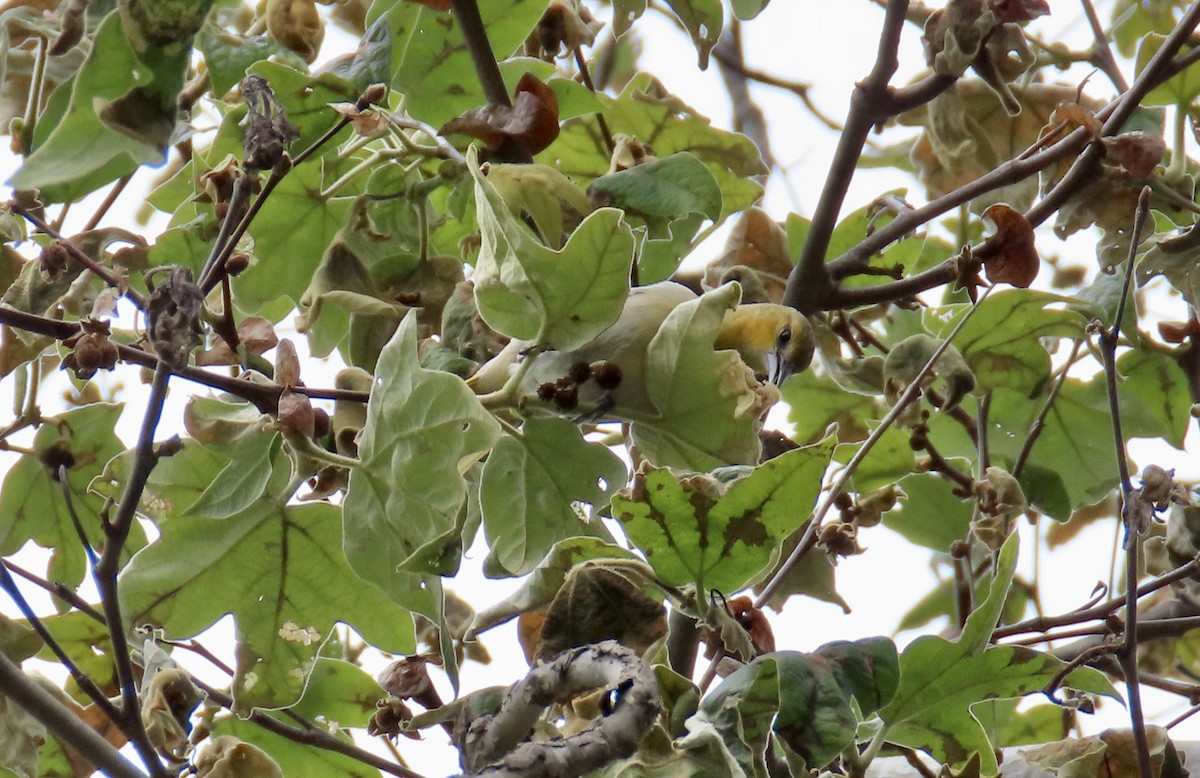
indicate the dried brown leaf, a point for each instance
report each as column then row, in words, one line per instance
column 1017, row 261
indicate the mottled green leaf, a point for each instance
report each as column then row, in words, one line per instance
column 242, row 481
column 812, row 702
column 532, row 487
column 295, row 758
column 339, row 692
column 693, row 529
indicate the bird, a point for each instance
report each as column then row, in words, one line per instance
column 773, row 340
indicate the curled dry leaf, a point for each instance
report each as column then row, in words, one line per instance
column 173, row 315
column 228, row 757
column 1019, row 10
column 1139, row 153
column 565, row 24
column 1077, row 115
column 296, row 25
column 532, row 118
column 268, row 132
column 367, row 124
column 1017, row 261
column 755, row 255
column 287, row 364
column 296, row 413
column 754, row 621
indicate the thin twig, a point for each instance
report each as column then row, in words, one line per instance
column 103, row 273
column 1109, row 339
column 584, row 74
column 109, row 199
column 84, row 681
column 265, row 397
column 909, row 395
column 62, row 723
column 69, row 500
column 105, row 572
column 309, row 735
column 1039, row 423
column 1101, row 54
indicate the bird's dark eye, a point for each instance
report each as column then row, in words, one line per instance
column 785, row 336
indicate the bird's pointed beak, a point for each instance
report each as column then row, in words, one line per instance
column 777, row 366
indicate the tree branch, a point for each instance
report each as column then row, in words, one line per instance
column 62, row 723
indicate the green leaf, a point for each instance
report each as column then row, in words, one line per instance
column 931, row 515
column 694, row 530
column 889, row 460
column 18, row 642
column 1181, row 89
column 430, row 62
column 940, row 680
column 1156, row 382
column 561, row 298
column 645, row 111
column 244, row 480
column 182, row 246
column 295, row 758
column 1001, row 341
column 702, row 19
column 228, row 55
column 339, row 692
column 88, row 644
column 532, row 485
column 705, row 401
column 280, row 572
column 747, row 9
column 81, row 152
column 815, row 401
column 32, row 506
column 297, row 224
column 423, row 430
column 812, row 702
column 306, row 100
column 658, row 191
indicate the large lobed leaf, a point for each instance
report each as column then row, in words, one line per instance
column 563, row 298
column 941, row 679
column 694, row 530
column 407, row 495
column 278, row 569
column 811, row 702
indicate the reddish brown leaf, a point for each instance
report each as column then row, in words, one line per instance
column 529, row 633
column 1138, row 152
column 754, row 621
column 1019, row 10
column 1017, row 261
column 532, row 119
